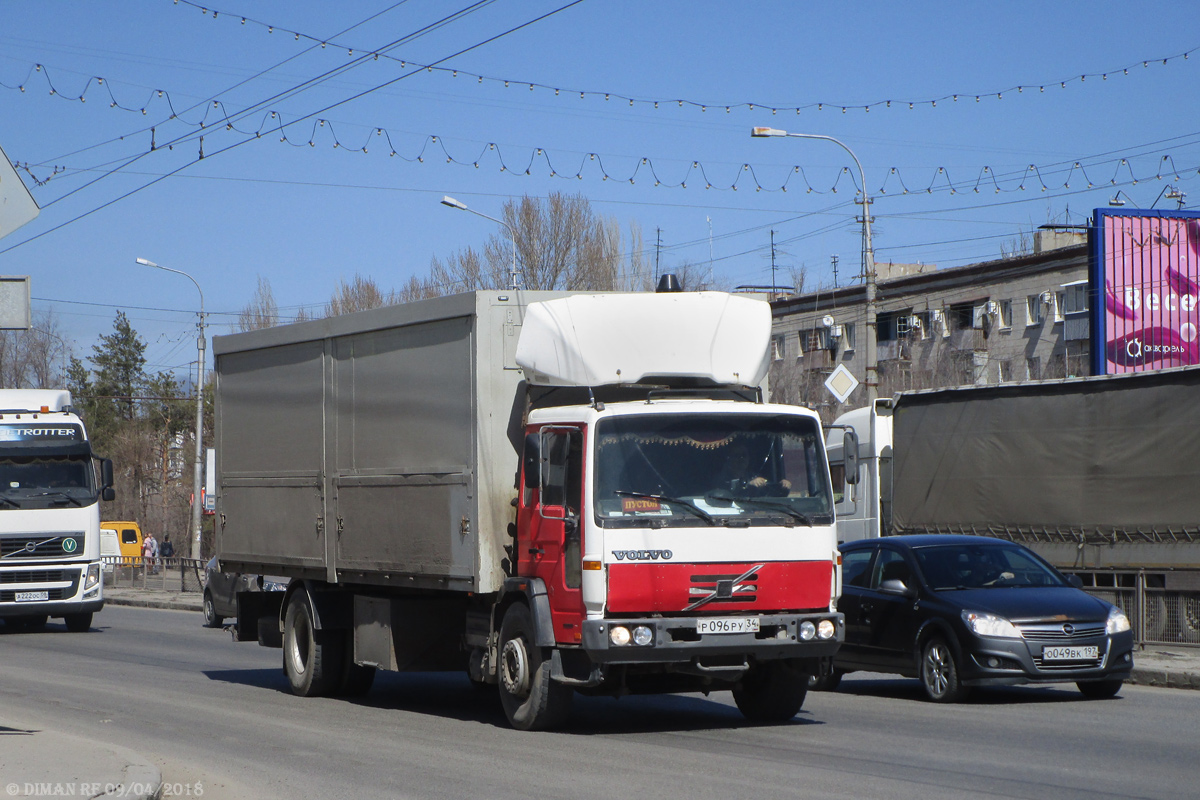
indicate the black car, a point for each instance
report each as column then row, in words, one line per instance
column 963, row 611
column 221, row 590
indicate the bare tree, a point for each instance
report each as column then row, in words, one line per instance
column 262, row 311
column 357, row 295
column 36, row 358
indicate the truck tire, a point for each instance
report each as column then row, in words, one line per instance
column 771, row 691
column 356, row 678
column 939, row 672
column 312, row 659
column 79, row 623
column 211, row 618
column 531, row 700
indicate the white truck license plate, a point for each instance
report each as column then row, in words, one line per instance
column 728, row 625
column 1070, row 653
column 27, row 597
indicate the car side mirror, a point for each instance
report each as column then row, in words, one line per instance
column 1075, row 581
column 896, row 586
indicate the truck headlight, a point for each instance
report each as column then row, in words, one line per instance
column 982, row 623
column 1117, row 621
column 807, row 630
column 642, row 636
column 93, row 576
column 618, row 635
column 826, row 629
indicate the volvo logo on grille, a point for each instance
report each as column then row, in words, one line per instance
column 643, row 555
column 1068, row 629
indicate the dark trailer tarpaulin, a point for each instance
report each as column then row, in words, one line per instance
column 1106, row 459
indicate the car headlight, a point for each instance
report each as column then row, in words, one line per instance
column 1117, row 621
column 983, row 624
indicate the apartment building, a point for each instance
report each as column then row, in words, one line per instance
column 1013, row 319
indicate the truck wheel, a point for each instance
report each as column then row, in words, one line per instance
column 1100, row 690
column 827, row 679
column 79, row 623
column 356, row 678
column 531, row 700
column 211, row 618
column 312, row 659
column 939, row 672
column 771, row 691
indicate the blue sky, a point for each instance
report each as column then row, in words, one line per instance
column 305, row 217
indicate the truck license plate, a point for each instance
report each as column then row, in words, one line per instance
column 28, row 597
column 1070, row 653
column 728, row 625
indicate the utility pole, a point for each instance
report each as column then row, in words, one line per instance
column 835, row 263
column 774, row 291
column 657, row 252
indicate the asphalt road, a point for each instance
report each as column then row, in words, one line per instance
column 208, row 709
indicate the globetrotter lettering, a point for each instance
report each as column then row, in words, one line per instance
column 643, row 555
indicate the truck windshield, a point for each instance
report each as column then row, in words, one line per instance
column 658, row 470
column 46, row 481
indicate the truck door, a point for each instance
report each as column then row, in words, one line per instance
column 550, row 525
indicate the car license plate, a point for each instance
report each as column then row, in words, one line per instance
column 728, row 625
column 29, row 597
column 1070, row 653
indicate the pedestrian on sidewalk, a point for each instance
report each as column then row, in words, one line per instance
column 150, row 553
column 167, row 550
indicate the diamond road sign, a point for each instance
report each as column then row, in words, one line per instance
column 841, row 383
column 17, row 205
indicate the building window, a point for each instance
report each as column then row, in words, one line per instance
column 961, row 316
column 1033, row 368
column 776, row 348
column 1004, row 371
column 1033, row 310
column 1075, row 298
column 847, row 335
column 886, row 327
column 1059, row 302
column 799, row 345
column 1005, row 314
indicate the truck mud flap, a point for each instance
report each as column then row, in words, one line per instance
column 253, row 607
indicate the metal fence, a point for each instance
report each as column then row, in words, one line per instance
column 1159, row 614
column 169, row 574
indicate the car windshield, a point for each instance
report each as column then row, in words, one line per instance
column 46, row 481
column 712, row 469
column 971, row 566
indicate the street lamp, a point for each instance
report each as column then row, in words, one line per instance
column 199, row 467
column 461, row 206
column 872, row 380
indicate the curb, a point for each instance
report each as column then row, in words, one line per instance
column 1164, row 678
column 172, row 605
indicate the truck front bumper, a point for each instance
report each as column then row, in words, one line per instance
column 676, row 640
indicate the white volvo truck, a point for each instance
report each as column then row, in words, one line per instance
column 49, row 512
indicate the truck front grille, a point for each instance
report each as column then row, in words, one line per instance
column 24, row 545
column 37, row 576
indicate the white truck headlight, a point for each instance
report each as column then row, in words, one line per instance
column 618, row 635
column 93, row 576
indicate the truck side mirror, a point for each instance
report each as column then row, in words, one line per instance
column 106, row 480
column 850, row 456
column 533, row 460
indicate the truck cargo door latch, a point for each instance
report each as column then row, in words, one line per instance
column 537, row 551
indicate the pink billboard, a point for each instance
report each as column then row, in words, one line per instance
column 1146, row 264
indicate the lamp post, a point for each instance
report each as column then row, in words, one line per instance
column 872, row 378
column 461, row 206
column 197, row 478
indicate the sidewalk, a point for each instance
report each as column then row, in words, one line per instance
column 40, row 763
column 1172, row 667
